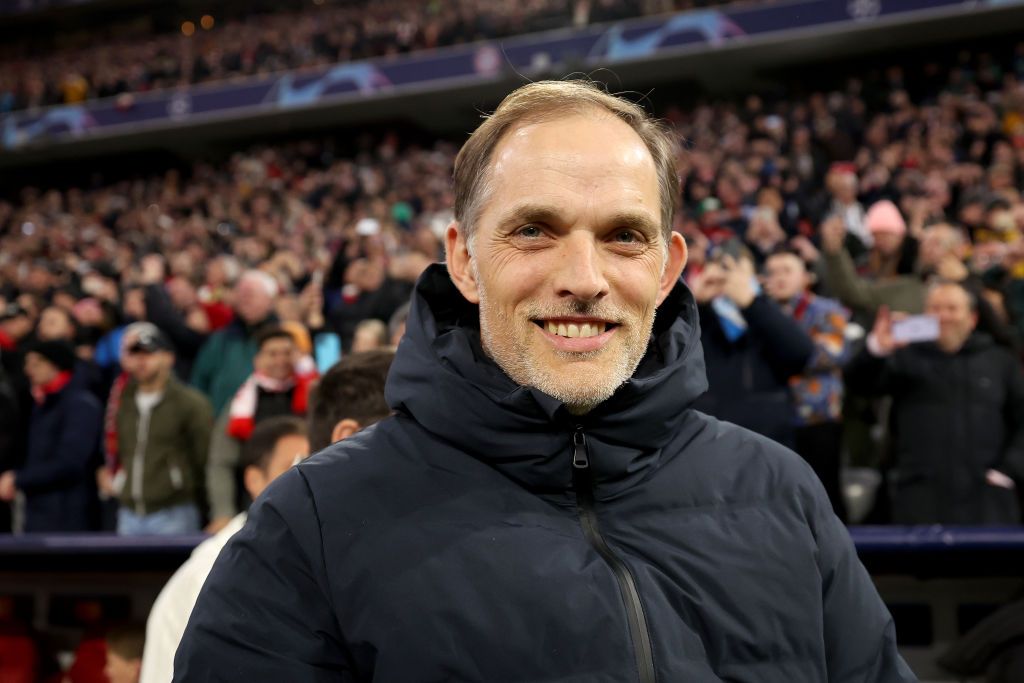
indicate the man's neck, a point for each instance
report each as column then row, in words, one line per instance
column 155, row 385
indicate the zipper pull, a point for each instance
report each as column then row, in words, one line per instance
column 580, row 459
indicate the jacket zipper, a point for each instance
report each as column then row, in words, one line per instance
column 638, row 630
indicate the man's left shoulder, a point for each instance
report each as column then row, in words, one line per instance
column 738, row 466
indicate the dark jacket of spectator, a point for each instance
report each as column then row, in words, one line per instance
column 954, row 417
column 465, row 511
column 187, row 342
column 63, row 452
column 749, row 376
column 225, row 362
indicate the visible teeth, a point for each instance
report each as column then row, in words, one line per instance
column 573, row 330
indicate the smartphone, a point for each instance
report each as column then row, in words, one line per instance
column 915, row 328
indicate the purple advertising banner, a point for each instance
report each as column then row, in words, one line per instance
column 604, row 45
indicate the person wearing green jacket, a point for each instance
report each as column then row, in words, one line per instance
column 225, row 360
column 163, row 433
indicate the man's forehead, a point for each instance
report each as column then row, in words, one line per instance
column 548, row 139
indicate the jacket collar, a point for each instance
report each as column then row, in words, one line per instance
column 442, row 379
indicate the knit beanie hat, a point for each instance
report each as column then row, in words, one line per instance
column 60, row 353
column 883, row 216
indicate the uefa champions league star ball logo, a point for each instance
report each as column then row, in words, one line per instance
column 180, row 105
column 864, row 10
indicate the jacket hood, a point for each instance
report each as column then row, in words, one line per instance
column 442, row 378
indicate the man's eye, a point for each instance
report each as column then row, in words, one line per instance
column 530, row 231
column 626, row 237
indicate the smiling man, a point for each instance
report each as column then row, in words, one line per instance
column 544, row 505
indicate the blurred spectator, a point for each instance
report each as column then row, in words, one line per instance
column 889, row 235
column 941, row 254
column 163, row 431
column 278, row 386
column 276, row 444
column 349, row 397
column 369, row 293
column 957, row 416
column 63, row 445
column 369, row 335
column 10, row 438
column 818, row 390
column 396, row 325
column 751, row 349
column 225, row 360
column 125, row 644
column 173, row 306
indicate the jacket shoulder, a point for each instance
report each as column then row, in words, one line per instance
column 734, row 465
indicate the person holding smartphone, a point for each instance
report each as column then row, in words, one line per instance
column 957, row 413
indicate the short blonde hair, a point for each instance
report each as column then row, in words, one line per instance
column 546, row 101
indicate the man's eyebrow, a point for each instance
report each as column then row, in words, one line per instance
column 636, row 221
column 528, row 213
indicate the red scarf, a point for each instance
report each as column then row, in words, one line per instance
column 7, row 342
column 242, row 412
column 111, row 454
column 39, row 393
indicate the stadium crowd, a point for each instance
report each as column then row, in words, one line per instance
column 34, row 75
column 148, row 326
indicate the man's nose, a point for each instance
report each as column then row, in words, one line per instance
column 579, row 272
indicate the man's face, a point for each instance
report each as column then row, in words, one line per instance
column 55, row 323
column 121, row 670
column 568, row 259
column 18, row 327
column 951, row 305
column 785, row 277
column 938, row 242
column 287, row 451
column 145, row 367
column 39, row 370
column 252, row 301
column 276, row 358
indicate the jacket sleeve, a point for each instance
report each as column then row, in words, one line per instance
column 842, row 282
column 859, row 634
column 77, row 447
column 788, row 345
column 160, row 311
column 265, row 613
column 1012, row 462
column 199, row 427
column 220, row 469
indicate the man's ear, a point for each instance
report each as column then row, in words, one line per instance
column 677, row 255
column 460, row 267
column 344, row 429
column 254, row 481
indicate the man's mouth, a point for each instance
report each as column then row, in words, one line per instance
column 575, row 328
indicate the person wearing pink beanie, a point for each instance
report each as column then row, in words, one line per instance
column 888, row 230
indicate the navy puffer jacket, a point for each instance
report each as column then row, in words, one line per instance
column 484, row 534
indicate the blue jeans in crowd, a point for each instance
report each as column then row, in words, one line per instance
column 180, row 519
